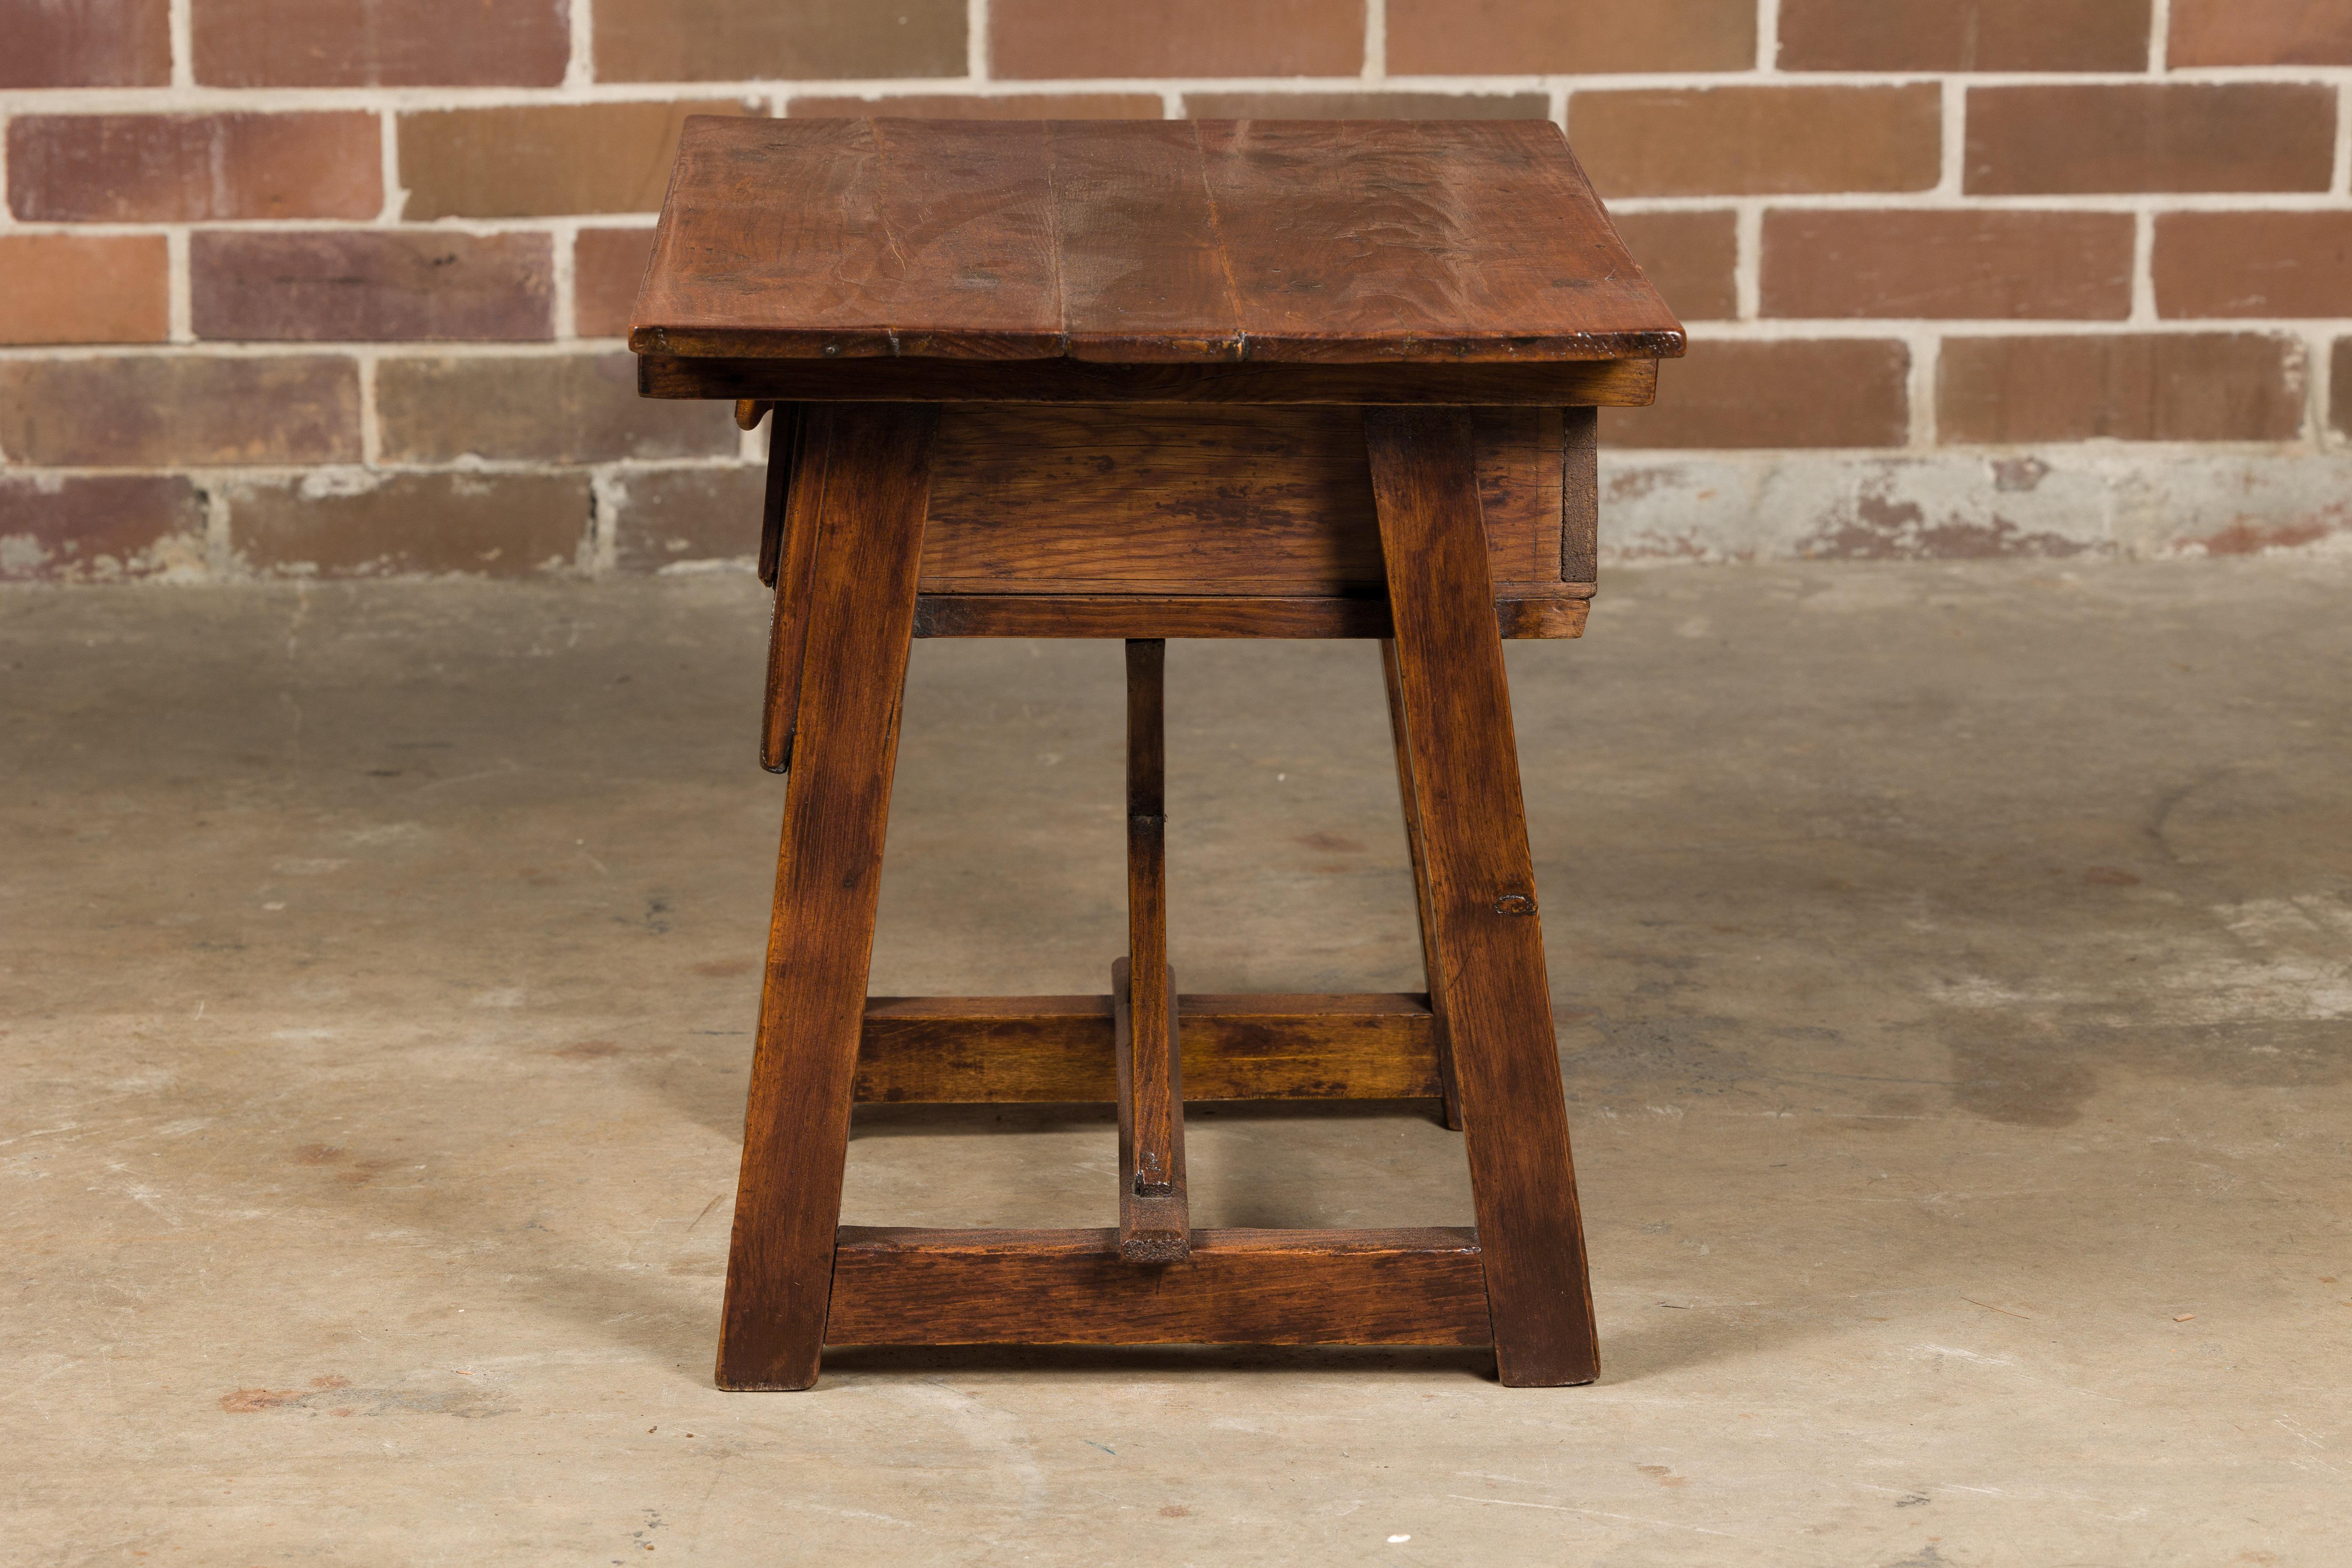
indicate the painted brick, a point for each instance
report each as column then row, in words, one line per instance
column 86, row 43
column 84, row 289
column 1949, row 265
column 978, row 105
column 2168, row 136
column 1964, row 35
column 369, row 43
column 2253, row 264
column 608, row 267
column 547, row 407
column 99, row 528
column 2340, row 382
column 542, row 160
column 681, row 518
column 157, row 411
column 194, row 168
column 2265, row 33
column 1757, row 140
column 1035, row 38
column 1367, row 106
column 1689, row 258
column 1519, row 37
column 2188, row 387
column 1818, row 392
column 372, row 286
column 494, row 525
column 739, row 40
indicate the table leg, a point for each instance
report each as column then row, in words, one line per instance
column 1406, row 793
column 860, row 610
column 1482, row 905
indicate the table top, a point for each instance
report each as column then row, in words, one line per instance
column 1142, row 242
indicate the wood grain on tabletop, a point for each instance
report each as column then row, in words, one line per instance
column 1141, row 241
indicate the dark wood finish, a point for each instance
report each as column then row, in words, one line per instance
column 1558, row 384
column 1580, row 500
column 797, row 498
column 1154, row 1223
column 983, row 1050
column 1489, row 980
column 1105, row 616
column 1407, row 795
column 861, row 610
column 1362, row 242
column 1180, row 500
column 894, row 1287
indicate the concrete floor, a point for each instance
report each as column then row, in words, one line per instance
column 1954, row 968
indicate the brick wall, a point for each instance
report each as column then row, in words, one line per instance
column 335, row 287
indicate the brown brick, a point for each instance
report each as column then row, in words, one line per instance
column 1151, row 37
column 372, row 286
column 1949, row 265
column 194, row 168
column 98, row 529
column 371, row 43
column 2203, row 386
column 2339, row 379
column 1964, row 35
column 1690, row 257
column 1520, row 37
column 608, row 265
column 1827, row 391
column 545, row 407
column 680, row 517
column 155, row 411
column 84, row 289
column 976, row 106
column 86, row 43
column 738, row 41
column 2253, row 264
column 496, row 525
column 549, row 159
column 1757, row 140
column 2265, row 33
column 2151, row 136
column 1367, row 106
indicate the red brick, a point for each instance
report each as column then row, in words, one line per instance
column 2169, row 136
column 381, row 43
column 542, row 160
column 2204, row 386
column 673, row 518
column 1949, row 265
column 372, row 286
column 158, row 411
column 566, row 408
column 1964, row 35
column 493, row 525
column 1037, row 39
column 86, row 43
column 976, row 106
column 1689, row 258
column 1757, row 140
column 1372, row 105
column 194, row 168
column 98, row 529
column 608, row 266
column 1521, row 38
column 1824, row 392
column 740, row 40
column 2253, row 264
column 2263, row 33
column 84, row 289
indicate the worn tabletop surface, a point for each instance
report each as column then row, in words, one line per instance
column 1142, row 242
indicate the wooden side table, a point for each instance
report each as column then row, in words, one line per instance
column 1152, row 379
